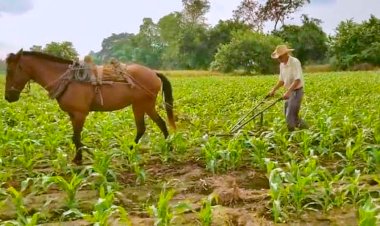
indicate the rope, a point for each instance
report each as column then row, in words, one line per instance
column 97, row 90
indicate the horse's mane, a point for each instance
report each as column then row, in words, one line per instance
column 41, row 55
column 47, row 57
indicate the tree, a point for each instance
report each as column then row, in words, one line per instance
column 193, row 48
column 195, row 10
column 117, row 46
column 248, row 12
column 279, row 10
column 356, row 43
column 64, row 49
column 149, row 44
column 221, row 34
column 170, row 28
column 308, row 40
column 255, row 14
column 248, row 51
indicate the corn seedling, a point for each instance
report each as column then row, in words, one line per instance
column 70, row 187
column 368, row 213
column 205, row 214
column 104, row 209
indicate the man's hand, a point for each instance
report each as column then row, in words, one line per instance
column 286, row 95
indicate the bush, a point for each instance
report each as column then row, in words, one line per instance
column 247, row 51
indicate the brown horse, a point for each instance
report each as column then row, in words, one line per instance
column 79, row 98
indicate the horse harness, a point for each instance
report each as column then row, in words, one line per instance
column 95, row 75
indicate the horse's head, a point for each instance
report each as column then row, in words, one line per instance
column 16, row 78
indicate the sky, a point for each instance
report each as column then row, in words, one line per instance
column 85, row 23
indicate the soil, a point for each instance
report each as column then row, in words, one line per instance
column 242, row 198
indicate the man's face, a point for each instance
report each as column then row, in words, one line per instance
column 283, row 58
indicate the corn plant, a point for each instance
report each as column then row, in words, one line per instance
column 259, row 152
column 101, row 166
column 210, row 154
column 368, row 213
column 353, row 146
column 21, row 211
column 354, row 188
column 277, row 194
column 60, row 163
column 104, row 209
column 205, row 213
column 70, row 187
column 163, row 212
column 131, row 154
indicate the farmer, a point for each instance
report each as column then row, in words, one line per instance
column 292, row 79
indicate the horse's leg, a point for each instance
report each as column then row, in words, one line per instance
column 139, row 113
column 77, row 120
column 158, row 120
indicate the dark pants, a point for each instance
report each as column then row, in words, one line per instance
column 292, row 108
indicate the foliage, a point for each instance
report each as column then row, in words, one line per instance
column 279, row 10
column 247, row 51
column 64, row 49
column 356, row 43
column 195, row 10
column 308, row 40
column 248, row 12
column 255, row 14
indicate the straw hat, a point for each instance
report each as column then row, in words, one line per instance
column 280, row 50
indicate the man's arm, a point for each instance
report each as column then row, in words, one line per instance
column 279, row 84
column 294, row 85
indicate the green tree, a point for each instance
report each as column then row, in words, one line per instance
column 255, row 14
column 279, row 10
column 119, row 46
column 221, row 34
column 248, row 51
column 193, row 48
column 149, row 44
column 170, row 29
column 248, row 12
column 195, row 10
column 356, row 43
column 64, row 49
column 308, row 40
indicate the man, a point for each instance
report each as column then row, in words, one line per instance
column 292, row 79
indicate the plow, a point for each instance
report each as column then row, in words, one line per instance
column 256, row 112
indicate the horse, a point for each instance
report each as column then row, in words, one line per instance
column 79, row 98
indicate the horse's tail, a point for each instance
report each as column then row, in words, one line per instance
column 168, row 96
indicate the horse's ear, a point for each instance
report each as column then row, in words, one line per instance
column 20, row 52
